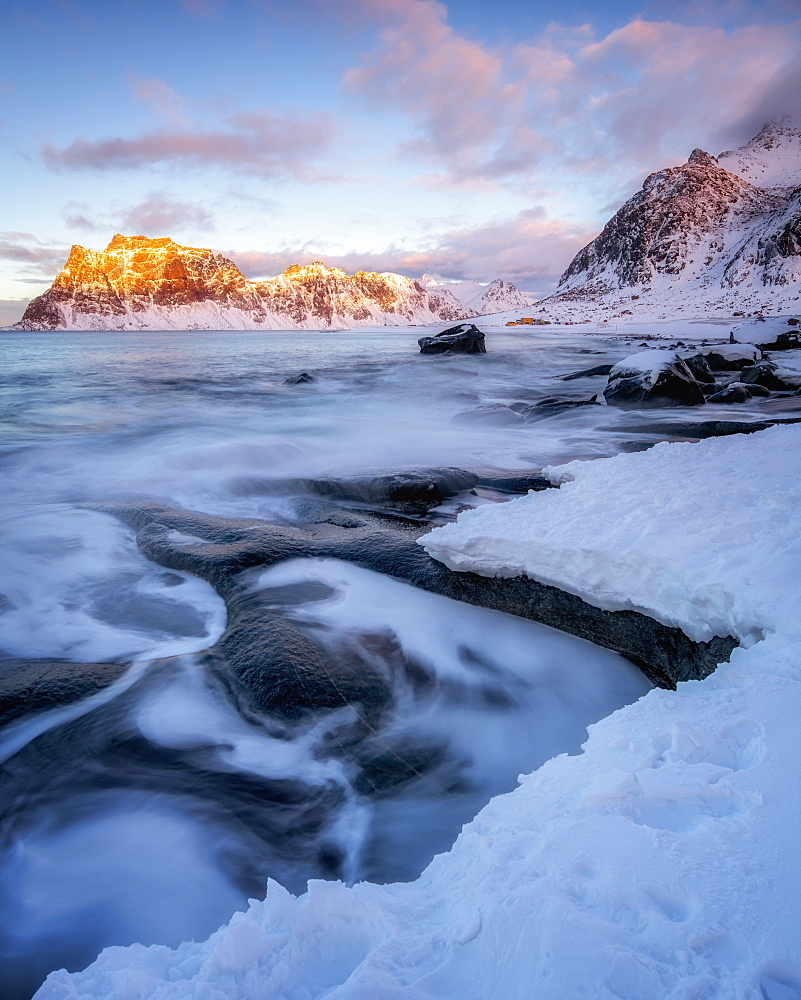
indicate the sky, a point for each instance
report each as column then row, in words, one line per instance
column 466, row 139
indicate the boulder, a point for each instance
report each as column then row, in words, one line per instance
column 764, row 374
column 465, row 338
column 299, row 379
column 734, row 393
column 730, row 357
column 699, row 366
column 653, row 378
column 771, row 333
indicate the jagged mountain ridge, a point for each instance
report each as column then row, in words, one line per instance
column 141, row 283
column 699, row 238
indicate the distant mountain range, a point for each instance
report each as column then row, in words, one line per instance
column 715, row 235
column 155, row 284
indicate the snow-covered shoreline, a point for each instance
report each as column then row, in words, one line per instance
column 661, row 862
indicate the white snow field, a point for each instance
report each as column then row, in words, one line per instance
column 662, row 863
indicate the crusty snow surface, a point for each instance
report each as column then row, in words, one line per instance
column 659, row 864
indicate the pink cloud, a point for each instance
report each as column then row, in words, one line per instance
column 159, row 95
column 642, row 95
column 254, row 142
column 159, row 216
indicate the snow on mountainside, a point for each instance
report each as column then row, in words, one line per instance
column 497, row 297
column 140, row 283
column 711, row 236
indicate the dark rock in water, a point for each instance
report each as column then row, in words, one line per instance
column 753, row 387
column 465, row 338
column 553, row 404
column 721, row 363
column 413, row 491
column 514, row 414
column 299, row 379
column 709, row 388
column 699, row 366
column 764, row 373
column 35, row 685
column 735, row 393
column 698, row 429
column 397, row 766
column 515, row 482
column 665, row 654
column 668, row 383
column 286, row 673
column 492, row 414
column 598, row 370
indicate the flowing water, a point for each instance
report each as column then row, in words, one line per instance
column 151, row 810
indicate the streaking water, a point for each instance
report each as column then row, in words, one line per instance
column 152, row 810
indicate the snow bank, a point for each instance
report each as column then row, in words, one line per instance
column 659, row 864
column 702, row 537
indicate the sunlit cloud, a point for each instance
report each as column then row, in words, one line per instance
column 261, row 143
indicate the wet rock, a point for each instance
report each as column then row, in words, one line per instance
column 520, row 482
column 597, row 370
column 301, row 379
column 699, row 429
column 653, row 378
column 491, row 414
column 413, row 491
column 465, row 338
column 764, row 374
column 699, row 366
column 397, row 766
column 33, row 685
column 753, row 387
column 553, row 404
column 735, row 393
column 286, row 673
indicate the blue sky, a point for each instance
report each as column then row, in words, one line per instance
column 468, row 139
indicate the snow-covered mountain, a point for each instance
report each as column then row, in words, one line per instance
column 713, row 235
column 146, row 284
column 483, row 299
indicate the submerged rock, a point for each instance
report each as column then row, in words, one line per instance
column 466, row 338
column 734, row 393
column 597, row 370
column 33, row 685
column 300, row 379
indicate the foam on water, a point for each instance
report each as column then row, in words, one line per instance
column 75, row 586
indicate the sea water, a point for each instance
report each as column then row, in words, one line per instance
column 153, row 809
